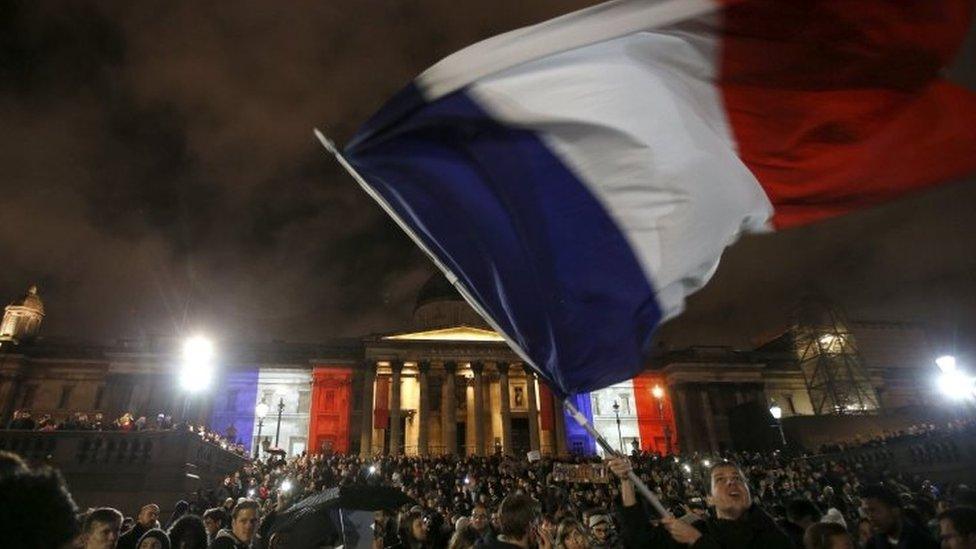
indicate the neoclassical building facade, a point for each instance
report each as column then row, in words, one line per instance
column 445, row 384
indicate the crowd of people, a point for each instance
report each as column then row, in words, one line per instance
column 736, row 499
column 915, row 432
column 24, row 420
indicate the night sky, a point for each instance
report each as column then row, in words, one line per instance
column 159, row 176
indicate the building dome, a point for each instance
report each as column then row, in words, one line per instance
column 439, row 305
column 437, row 289
column 30, row 301
column 21, row 319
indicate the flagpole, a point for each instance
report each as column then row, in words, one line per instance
column 631, row 475
column 580, row 418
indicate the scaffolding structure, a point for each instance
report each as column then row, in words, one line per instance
column 827, row 354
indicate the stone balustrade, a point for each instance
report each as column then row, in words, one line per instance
column 947, row 457
column 126, row 470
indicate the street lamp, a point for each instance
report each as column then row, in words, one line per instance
column 261, row 410
column 620, row 437
column 281, row 408
column 777, row 414
column 658, row 393
column 196, row 370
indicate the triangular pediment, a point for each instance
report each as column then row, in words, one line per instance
column 453, row 333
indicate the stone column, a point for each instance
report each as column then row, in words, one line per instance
column 686, row 434
column 505, row 408
column 395, row 427
column 449, row 408
column 366, row 436
column 559, row 420
column 478, row 369
column 423, row 440
column 533, row 409
column 709, row 416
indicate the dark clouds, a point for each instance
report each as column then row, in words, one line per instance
column 159, row 174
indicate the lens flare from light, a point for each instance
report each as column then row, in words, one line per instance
column 946, row 363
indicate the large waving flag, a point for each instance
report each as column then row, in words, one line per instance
column 577, row 179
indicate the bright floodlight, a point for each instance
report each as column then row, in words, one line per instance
column 198, row 350
column 658, row 392
column 195, row 378
column 776, row 411
column 957, row 385
column 261, row 410
column 372, row 469
column 946, row 363
column 286, row 486
column 197, row 372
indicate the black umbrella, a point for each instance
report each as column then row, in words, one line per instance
column 315, row 520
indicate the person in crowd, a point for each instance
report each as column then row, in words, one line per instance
column 518, row 517
column 890, row 528
column 957, row 528
column 384, row 529
column 465, row 537
column 243, row 524
column 571, row 535
column 480, row 523
column 737, row 521
column 827, row 535
column 154, row 538
column 215, row 519
column 188, row 532
column 180, row 509
column 800, row 515
column 411, row 534
column 146, row 520
column 835, row 516
column 37, row 511
column 601, row 532
column 22, row 420
column 100, row 528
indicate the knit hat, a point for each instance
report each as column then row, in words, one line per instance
column 158, row 534
column 598, row 519
column 835, row 516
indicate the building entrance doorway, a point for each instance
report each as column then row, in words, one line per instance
column 520, row 436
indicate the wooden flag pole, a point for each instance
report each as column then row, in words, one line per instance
column 638, row 483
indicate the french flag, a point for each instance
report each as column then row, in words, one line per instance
column 577, row 179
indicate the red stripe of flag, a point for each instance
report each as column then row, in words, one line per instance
column 836, row 105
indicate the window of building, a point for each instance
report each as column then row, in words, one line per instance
column 27, row 399
column 519, row 396
column 596, row 405
column 65, row 398
column 304, row 402
column 330, row 400
column 232, row 400
column 624, row 404
column 99, row 396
